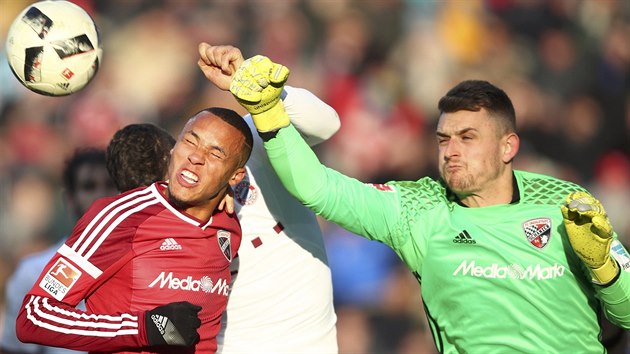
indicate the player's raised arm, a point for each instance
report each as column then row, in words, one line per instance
column 219, row 63
column 313, row 118
column 257, row 86
column 591, row 236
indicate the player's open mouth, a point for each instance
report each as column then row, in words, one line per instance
column 189, row 177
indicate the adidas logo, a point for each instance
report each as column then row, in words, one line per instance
column 170, row 244
column 464, row 237
column 160, row 322
column 63, row 85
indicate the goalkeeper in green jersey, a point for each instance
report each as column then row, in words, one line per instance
column 509, row 261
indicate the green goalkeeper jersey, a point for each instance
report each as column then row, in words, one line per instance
column 498, row 279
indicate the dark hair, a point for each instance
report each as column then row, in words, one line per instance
column 138, row 155
column 81, row 157
column 234, row 119
column 473, row 95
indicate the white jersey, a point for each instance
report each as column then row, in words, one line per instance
column 282, row 298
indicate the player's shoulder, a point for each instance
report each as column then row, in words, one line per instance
column 425, row 193
column 103, row 202
column 425, row 185
column 221, row 219
column 537, row 188
column 130, row 202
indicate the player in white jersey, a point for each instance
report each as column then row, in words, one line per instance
column 282, row 299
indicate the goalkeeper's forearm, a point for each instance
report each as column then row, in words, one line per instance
column 348, row 202
column 297, row 166
column 615, row 300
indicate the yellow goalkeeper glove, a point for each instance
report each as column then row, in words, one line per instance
column 590, row 234
column 257, row 86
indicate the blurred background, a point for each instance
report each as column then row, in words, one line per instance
column 383, row 65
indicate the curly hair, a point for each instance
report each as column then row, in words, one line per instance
column 81, row 157
column 138, row 155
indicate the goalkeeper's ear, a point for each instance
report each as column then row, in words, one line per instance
column 511, row 144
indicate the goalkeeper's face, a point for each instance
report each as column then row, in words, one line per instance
column 472, row 152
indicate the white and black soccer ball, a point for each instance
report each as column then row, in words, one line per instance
column 53, row 48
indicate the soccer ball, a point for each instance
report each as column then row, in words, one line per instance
column 53, row 48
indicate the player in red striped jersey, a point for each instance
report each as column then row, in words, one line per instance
column 131, row 254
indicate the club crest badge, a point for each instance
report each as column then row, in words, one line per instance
column 245, row 193
column 223, row 237
column 538, row 231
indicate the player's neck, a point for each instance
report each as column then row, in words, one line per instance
column 203, row 212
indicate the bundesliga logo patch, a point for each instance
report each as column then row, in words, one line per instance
column 60, row 278
column 538, row 231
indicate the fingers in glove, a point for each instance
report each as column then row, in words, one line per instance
column 245, row 88
column 584, row 206
column 257, row 76
column 565, row 212
column 279, row 74
column 602, row 227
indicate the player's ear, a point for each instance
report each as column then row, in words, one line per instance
column 511, row 145
column 238, row 176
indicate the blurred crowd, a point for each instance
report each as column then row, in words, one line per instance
column 383, row 65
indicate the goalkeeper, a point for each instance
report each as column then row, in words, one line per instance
column 509, row 261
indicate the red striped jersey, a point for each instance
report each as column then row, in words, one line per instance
column 129, row 254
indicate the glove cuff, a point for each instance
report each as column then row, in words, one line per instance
column 606, row 273
column 153, row 330
column 271, row 119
